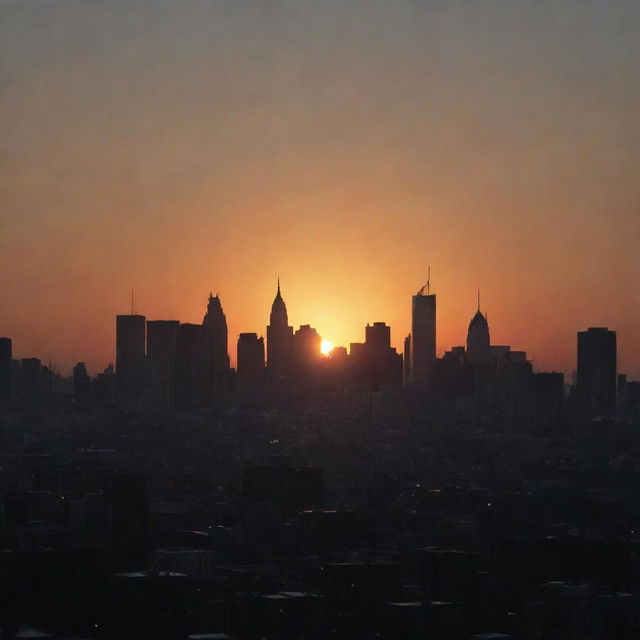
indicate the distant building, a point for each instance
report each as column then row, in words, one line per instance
column 423, row 337
column 279, row 338
column 376, row 362
column 306, row 350
column 189, row 336
column 478, row 341
column 130, row 354
column 214, row 325
column 162, row 344
column 250, row 355
column 597, row 371
column 5, row 371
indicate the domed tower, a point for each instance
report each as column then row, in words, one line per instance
column 279, row 337
column 478, row 342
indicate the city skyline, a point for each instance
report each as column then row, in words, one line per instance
column 397, row 340
column 182, row 149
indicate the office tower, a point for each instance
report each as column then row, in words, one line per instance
column 214, row 325
column 279, row 338
column 423, row 336
column 478, row 341
column 162, row 341
column 250, row 355
column 379, row 362
column 189, row 337
column 306, row 349
column 5, row 370
column 81, row 386
column 597, row 371
column 130, row 353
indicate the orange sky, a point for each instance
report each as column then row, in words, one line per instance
column 179, row 148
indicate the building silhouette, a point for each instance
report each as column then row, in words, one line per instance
column 250, row 356
column 189, row 338
column 306, row 350
column 478, row 340
column 423, row 337
column 279, row 338
column 376, row 362
column 216, row 355
column 596, row 383
column 6, row 356
column 130, row 354
column 81, row 386
column 162, row 343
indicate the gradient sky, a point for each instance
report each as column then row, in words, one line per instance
column 182, row 147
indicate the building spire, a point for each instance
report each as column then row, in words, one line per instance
column 478, row 299
column 278, row 285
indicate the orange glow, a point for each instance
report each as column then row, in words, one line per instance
column 326, row 347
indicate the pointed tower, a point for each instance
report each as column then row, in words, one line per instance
column 215, row 352
column 478, row 341
column 279, row 337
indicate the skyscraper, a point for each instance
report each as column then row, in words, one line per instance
column 214, row 325
column 279, row 338
column 5, row 370
column 306, row 350
column 250, row 355
column 130, row 352
column 423, row 336
column 162, row 342
column 478, row 341
column 597, row 371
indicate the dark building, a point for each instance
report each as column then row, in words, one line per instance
column 5, row 371
column 130, row 354
column 279, row 338
column 423, row 336
column 597, row 371
column 189, row 337
column 162, row 342
column 306, row 350
column 250, row 355
column 478, row 341
column 214, row 325
column 376, row 362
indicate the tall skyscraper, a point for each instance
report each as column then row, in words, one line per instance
column 478, row 341
column 162, row 343
column 423, row 336
column 214, row 325
column 5, row 370
column 279, row 338
column 130, row 353
column 597, row 371
column 250, row 356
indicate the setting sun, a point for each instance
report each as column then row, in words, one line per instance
column 326, row 347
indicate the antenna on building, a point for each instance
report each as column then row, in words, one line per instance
column 427, row 285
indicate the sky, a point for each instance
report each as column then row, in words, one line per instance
column 178, row 148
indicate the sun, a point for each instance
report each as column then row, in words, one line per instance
column 325, row 347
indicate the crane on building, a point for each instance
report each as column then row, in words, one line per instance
column 426, row 285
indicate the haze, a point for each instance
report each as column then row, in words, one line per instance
column 183, row 147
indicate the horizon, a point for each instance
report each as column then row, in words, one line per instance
column 208, row 146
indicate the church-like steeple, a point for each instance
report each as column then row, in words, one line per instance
column 279, row 317
column 279, row 337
